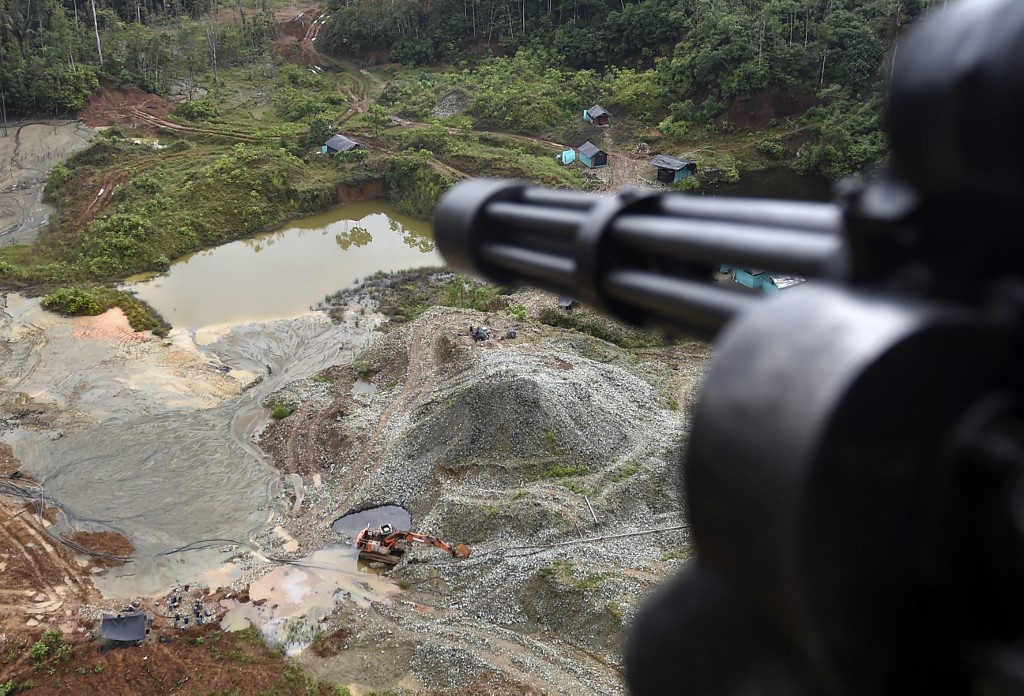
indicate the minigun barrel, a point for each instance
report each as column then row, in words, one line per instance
column 645, row 257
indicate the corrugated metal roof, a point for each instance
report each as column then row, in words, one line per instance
column 597, row 110
column 670, row 162
column 341, row 143
column 786, row 281
column 589, row 149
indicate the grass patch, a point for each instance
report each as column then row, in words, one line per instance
column 95, row 300
column 559, row 568
column 557, row 472
column 591, row 582
column 681, row 554
column 625, row 473
column 405, row 295
column 601, row 327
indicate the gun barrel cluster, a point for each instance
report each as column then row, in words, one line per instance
column 645, row 257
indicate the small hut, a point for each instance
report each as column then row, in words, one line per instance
column 596, row 115
column 752, row 278
column 338, row 143
column 592, row 156
column 672, row 169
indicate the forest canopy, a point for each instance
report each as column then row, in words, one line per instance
column 53, row 53
column 674, row 65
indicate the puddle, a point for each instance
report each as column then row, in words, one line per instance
column 288, row 603
column 363, row 386
column 351, row 525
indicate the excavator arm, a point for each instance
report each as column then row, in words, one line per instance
column 459, row 550
column 389, row 546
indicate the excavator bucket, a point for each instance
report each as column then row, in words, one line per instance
column 462, row 551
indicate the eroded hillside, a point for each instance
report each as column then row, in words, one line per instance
column 553, row 453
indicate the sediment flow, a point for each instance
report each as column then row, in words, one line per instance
column 153, row 437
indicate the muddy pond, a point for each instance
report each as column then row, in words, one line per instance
column 280, row 274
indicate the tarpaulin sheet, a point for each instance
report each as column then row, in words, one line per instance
column 126, row 627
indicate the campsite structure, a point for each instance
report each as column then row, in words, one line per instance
column 592, row 156
column 339, row 143
column 672, row 169
column 597, row 115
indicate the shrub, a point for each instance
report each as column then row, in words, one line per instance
column 280, row 411
column 59, row 176
column 39, row 651
column 772, row 149
column 199, row 110
column 518, row 312
column 74, row 302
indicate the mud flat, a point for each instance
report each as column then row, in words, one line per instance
column 27, row 154
column 151, row 437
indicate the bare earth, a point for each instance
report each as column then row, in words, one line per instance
column 27, row 154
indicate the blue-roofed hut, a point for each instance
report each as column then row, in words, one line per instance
column 768, row 283
column 596, row 115
column 672, row 169
column 750, row 277
column 593, row 156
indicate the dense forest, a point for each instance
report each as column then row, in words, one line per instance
column 53, row 52
column 676, row 64
column 671, row 64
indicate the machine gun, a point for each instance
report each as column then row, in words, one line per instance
column 855, row 470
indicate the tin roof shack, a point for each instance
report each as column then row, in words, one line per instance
column 338, row 143
column 768, row 283
column 750, row 277
column 672, row 169
column 776, row 282
column 593, row 156
column 597, row 115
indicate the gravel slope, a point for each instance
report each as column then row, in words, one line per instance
column 554, row 454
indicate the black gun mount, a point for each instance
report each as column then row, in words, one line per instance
column 855, row 469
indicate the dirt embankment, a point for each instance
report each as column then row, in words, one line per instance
column 554, row 454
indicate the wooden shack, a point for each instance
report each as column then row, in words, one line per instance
column 592, row 156
column 597, row 115
column 672, row 169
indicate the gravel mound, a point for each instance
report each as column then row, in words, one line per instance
column 553, row 454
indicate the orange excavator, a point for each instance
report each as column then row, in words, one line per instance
column 385, row 545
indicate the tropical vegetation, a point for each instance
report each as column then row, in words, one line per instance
column 678, row 75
